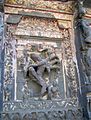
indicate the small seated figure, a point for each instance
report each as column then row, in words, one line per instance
column 53, row 91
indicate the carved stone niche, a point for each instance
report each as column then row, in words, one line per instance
column 39, row 66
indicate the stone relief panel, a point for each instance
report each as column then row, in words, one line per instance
column 40, row 64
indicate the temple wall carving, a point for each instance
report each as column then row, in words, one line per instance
column 50, row 36
column 40, row 64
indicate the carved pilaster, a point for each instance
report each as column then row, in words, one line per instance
column 9, row 68
column 69, row 65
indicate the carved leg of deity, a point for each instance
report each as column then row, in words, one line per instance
column 43, row 84
column 39, row 79
column 40, row 72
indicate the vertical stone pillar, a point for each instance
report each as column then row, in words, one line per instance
column 81, row 34
column 1, row 53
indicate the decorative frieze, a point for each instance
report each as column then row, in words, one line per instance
column 37, row 105
column 41, row 4
column 75, row 114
